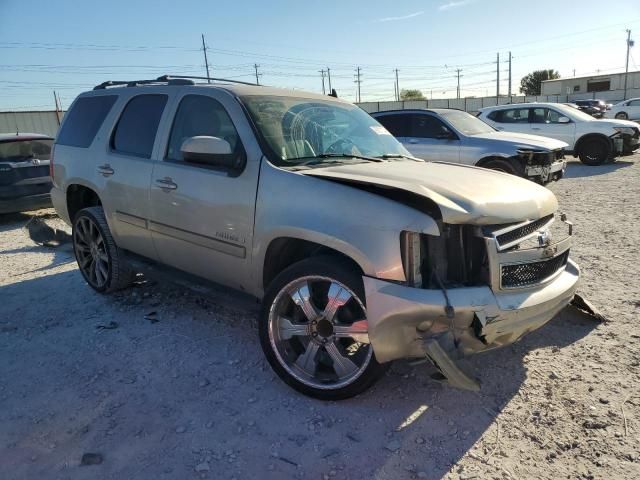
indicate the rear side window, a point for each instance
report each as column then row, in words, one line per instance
column 136, row 130
column 84, row 120
column 516, row 115
column 397, row 125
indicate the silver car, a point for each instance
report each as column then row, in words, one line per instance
column 454, row 136
column 360, row 253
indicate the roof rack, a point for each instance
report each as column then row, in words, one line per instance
column 165, row 80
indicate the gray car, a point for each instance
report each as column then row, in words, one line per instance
column 360, row 253
column 454, row 136
column 24, row 172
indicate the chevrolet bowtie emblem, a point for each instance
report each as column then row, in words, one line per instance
column 544, row 238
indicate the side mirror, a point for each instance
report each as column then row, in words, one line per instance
column 564, row 120
column 209, row 151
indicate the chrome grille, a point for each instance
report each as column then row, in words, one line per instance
column 522, row 232
column 532, row 273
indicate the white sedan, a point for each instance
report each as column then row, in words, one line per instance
column 595, row 141
column 627, row 110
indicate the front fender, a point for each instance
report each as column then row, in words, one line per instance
column 364, row 226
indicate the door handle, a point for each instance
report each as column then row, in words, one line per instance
column 535, row 128
column 106, row 170
column 166, row 183
column 413, row 140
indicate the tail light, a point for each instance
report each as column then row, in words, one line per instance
column 53, row 148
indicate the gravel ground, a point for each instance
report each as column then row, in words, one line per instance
column 185, row 392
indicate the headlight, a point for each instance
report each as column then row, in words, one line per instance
column 410, row 247
column 625, row 130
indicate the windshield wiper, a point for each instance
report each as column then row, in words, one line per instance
column 399, row 155
column 317, row 159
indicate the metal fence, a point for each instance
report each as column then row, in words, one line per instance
column 474, row 104
column 45, row 122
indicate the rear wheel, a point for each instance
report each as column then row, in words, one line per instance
column 594, row 151
column 622, row 116
column 99, row 259
column 314, row 330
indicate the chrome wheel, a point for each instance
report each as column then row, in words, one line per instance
column 318, row 331
column 91, row 252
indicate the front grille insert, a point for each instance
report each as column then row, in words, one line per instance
column 522, row 232
column 532, row 273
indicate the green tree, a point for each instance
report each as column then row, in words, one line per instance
column 532, row 84
column 411, row 95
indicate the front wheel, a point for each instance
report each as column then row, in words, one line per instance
column 594, row 151
column 314, row 330
column 622, row 116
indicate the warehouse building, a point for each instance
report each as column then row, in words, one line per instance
column 606, row 87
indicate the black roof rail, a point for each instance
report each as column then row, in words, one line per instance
column 165, row 79
column 135, row 83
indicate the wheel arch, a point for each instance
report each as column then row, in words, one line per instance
column 79, row 196
column 493, row 156
column 284, row 251
column 591, row 136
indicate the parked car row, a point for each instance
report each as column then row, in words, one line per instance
column 360, row 252
column 593, row 141
column 454, row 136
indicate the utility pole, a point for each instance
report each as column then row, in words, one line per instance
column 322, row 74
column 206, row 62
column 358, row 81
column 255, row 65
column 509, row 76
column 397, row 86
column 626, row 68
column 329, row 78
column 498, row 77
column 458, row 70
column 58, row 106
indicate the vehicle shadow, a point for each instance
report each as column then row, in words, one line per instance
column 578, row 169
column 201, row 365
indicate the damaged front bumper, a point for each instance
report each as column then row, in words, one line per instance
column 544, row 166
column 404, row 322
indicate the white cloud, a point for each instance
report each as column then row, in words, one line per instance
column 403, row 17
column 454, row 4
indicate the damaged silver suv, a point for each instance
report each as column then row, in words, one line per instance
column 360, row 253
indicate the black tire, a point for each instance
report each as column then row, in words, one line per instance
column 332, row 268
column 506, row 166
column 622, row 116
column 117, row 273
column 594, row 151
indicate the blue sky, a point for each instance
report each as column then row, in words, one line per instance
column 69, row 46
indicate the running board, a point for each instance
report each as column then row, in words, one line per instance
column 443, row 362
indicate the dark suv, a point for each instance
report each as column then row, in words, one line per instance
column 595, row 108
column 25, row 182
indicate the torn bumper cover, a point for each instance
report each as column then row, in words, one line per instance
column 403, row 320
column 547, row 166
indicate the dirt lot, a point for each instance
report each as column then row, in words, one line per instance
column 185, row 392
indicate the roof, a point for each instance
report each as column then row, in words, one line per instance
column 437, row 111
column 233, row 87
column 590, row 77
column 23, row 136
column 523, row 105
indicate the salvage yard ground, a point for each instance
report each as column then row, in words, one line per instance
column 161, row 381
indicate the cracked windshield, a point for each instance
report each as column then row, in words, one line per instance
column 305, row 131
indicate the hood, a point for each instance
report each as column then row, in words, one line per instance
column 464, row 195
column 524, row 140
column 617, row 123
